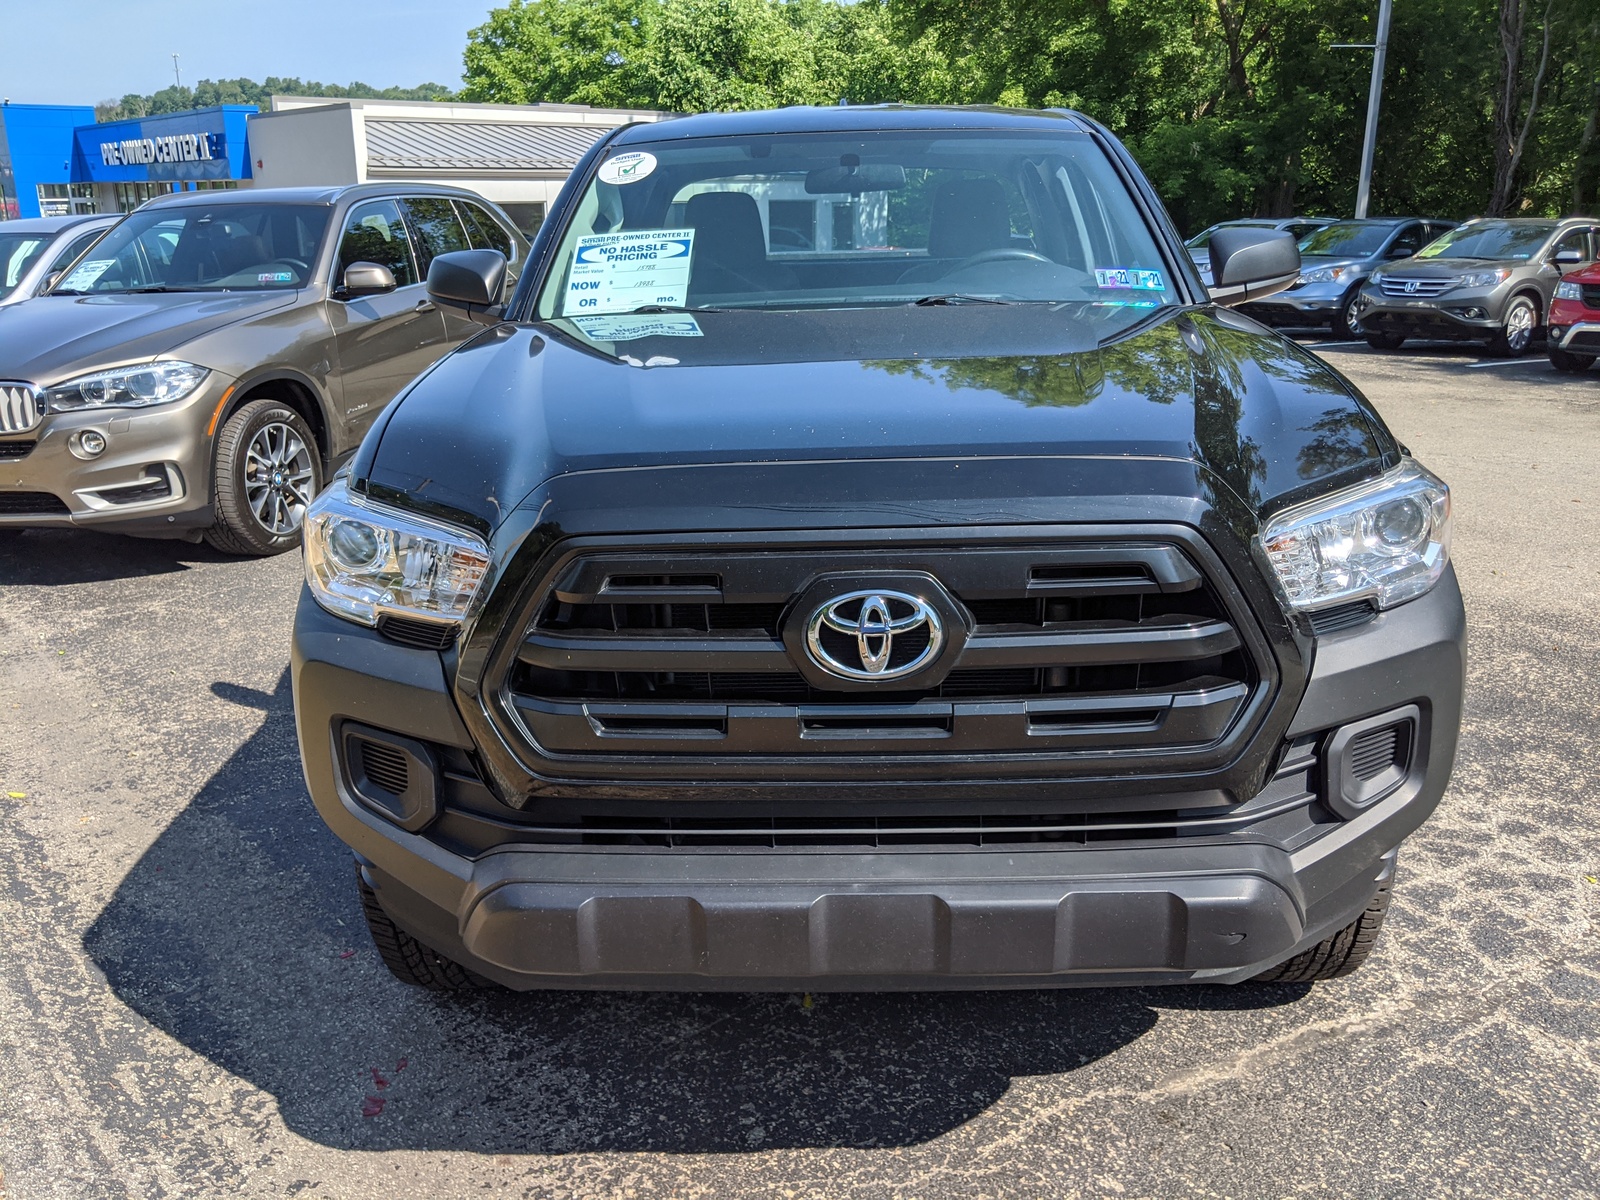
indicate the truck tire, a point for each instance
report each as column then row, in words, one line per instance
column 409, row 960
column 265, row 471
column 1565, row 360
column 1386, row 341
column 1337, row 955
column 1519, row 328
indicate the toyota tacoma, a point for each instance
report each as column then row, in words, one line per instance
column 860, row 553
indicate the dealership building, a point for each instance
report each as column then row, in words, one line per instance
column 55, row 159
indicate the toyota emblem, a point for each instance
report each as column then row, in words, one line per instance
column 874, row 635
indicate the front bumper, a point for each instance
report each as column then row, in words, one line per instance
column 154, row 475
column 1574, row 327
column 823, row 917
column 1314, row 304
column 1456, row 315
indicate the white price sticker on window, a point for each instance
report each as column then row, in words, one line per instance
column 619, row 272
column 86, row 274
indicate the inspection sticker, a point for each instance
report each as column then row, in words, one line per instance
column 627, row 168
column 1130, row 277
column 628, row 329
column 619, row 272
column 275, row 277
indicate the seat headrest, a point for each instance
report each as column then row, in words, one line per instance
column 727, row 229
column 969, row 216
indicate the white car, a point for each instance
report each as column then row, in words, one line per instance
column 36, row 248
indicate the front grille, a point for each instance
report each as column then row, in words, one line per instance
column 1591, row 295
column 20, row 407
column 1586, row 341
column 15, row 450
column 152, row 487
column 1073, row 652
column 34, row 504
column 424, row 635
column 1420, row 289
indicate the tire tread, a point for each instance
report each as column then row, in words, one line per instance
column 1339, row 954
column 408, row 959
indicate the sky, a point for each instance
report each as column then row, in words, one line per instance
column 84, row 51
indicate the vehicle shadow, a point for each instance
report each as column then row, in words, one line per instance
column 55, row 557
column 238, row 934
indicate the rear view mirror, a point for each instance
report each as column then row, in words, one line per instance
column 855, row 179
column 1568, row 258
column 366, row 279
column 474, row 280
column 1247, row 264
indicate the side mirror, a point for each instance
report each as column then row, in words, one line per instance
column 1247, row 264
column 366, row 279
column 50, row 281
column 474, row 280
column 1399, row 252
column 1568, row 258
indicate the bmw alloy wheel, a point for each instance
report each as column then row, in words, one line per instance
column 278, row 478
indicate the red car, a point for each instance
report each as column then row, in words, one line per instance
column 1574, row 322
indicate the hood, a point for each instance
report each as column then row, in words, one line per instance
column 52, row 338
column 521, row 405
column 1449, row 268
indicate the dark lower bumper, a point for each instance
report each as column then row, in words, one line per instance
column 819, row 918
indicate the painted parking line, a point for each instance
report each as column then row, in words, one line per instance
column 1510, row 362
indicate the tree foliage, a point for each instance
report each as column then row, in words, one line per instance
column 209, row 92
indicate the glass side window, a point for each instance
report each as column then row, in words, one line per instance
column 18, row 252
column 438, row 228
column 374, row 233
column 484, row 232
column 820, row 220
column 74, row 248
column 1577, row 239
column 1409, row 241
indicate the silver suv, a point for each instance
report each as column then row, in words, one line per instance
column 1488, row 280
column 36, row 249
column 200, row 370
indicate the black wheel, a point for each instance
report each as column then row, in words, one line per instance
column 1518, row 329
column 1337, row 955
column 1347, row 321
column 1386, row 341
column 409, row 960
column 1563, row 360
column 266, row 470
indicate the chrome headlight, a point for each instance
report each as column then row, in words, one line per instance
column 364, row 560
column 127, row 387
column 1480, row 279
column 1387, row 540
column 1327, row 275
column 1569, row 289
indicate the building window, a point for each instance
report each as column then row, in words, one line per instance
column 66, row 199
column 131, row 195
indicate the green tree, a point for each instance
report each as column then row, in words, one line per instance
column 563, row 51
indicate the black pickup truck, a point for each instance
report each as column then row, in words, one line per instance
column 861, row 554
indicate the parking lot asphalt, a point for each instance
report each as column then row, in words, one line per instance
column 189, row 1005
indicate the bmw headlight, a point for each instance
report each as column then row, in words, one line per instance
column 363, row 560
column 127, row 387
column 1568, row 289
column 1327, row 275
column 1481, row 279
column 1387, row 540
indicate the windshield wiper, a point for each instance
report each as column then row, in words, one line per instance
column 647, row 309
column 957, row 298
column 161, row 287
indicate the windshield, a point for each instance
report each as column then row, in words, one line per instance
column 828, row 221
column 1346, row 239
column 205, row 248
column 1491, row 240
column 18, row 252
column 1201, row 240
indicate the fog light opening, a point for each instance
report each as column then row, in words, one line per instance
column 1369, row 760
column 87, row 444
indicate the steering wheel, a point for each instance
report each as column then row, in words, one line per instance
column 1000, row 254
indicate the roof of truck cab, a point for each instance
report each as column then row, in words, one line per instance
column 853, row 118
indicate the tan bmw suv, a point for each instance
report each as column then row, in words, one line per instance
column 201, row 370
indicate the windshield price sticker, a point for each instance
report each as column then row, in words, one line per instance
column 1130, row 277
column 85, row 275
column 627, row 168
column 619, row 272
column 628, row 329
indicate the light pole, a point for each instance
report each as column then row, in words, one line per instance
column 1369, row 144
column 179, row 78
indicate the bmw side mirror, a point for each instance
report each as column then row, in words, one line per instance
column 1247, row 264
column 1568, row 258
column 366, row 279
column 470, row 280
